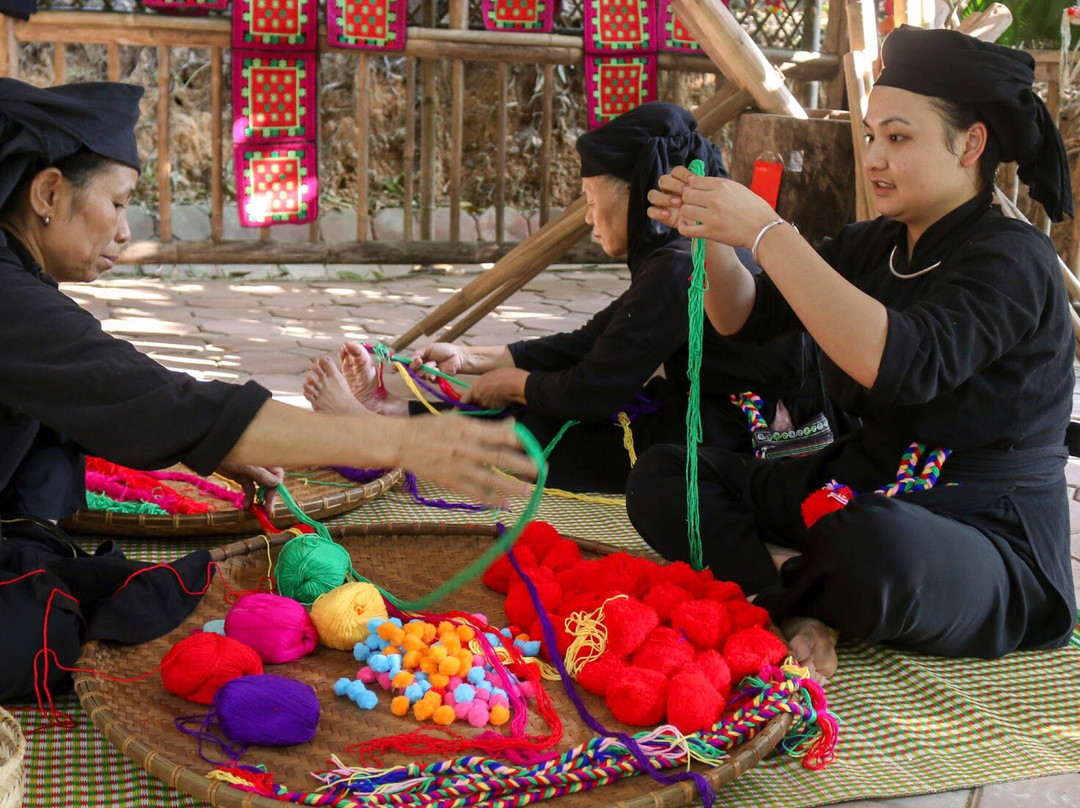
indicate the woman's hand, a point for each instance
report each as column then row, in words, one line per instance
column 460, row 453
column 709, row 207
column 447, row 357
column 251, row 477
column 497, row 388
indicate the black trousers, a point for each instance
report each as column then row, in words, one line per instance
column 881, row 570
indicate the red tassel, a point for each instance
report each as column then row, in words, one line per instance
column 832, row 496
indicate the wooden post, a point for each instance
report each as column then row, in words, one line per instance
column 987, row 25
column 500, row 156
column 217, row 120
column 459, row 20
column 427, row 133
column 732, row 50
column 9, row 48
column 859, row 80
column 59, row 63
column 114, row 61
column 919, row 13
column 410, row 146
column 363, row 118
column 164, row 66
column 547, row 103
column 836, row 41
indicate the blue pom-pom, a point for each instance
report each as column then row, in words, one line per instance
column 464, row 692
column 396, row 621
column 361, row 652
column 494, row 639
column 374, row 642
column 341, row 686
column 379, row 663
column 214, row 627
column 484, row 685
column 530, row 648
column 475, row 675
column 498, row 691
column 367, row 700
column 355, row 690
column 414, row 692
column 425, row 685
column 395, row 664
column 420, row 676
column 505, row 632
column 374, row 623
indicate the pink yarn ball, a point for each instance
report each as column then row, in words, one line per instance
column 478, row 715
column 278, row 628
column 366, row 675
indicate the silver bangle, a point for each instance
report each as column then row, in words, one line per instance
column 762, row 232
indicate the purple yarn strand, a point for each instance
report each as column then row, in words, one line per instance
column 203, row 733
column 627, row 741
column 359, row 475
column 438, row 393
column 410, row 486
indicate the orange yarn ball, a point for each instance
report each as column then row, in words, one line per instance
column 198, row 665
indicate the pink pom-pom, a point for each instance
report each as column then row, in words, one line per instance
column 385, row 681
column 478, row 715
column 498, row 700
column 366, row 675
column 461, row 710
column 483, row 695
column 448, row 699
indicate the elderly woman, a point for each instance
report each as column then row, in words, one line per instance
column 68, row 167
column 946, row 327
column 591, row 374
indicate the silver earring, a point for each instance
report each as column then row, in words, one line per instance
column 46, row 219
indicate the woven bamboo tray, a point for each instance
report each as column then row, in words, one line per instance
column 407, row 559
column 12, row 752
column 317, row 501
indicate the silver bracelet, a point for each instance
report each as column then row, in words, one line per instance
column 762, row 232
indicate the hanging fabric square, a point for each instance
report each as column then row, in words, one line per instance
column 275, row 24
column 673, row 34
column 192, row 7
column 273, row 96
column 618, row 84
column 367, row 24
column 624, row 26
column 519, row 15
column 276, row 183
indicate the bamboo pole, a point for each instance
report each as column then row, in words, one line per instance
column 9, row 48
column 363, row 88
column 164, row 180
column 732, row 50
column 410, row 148
column 546, row 114
column 459, row 20
column 113, row 58
column 533, row 255
column 500, row 157
column 217, row 118
column 59, row 63
column 313, row 225
column 427, row 132
column 836, row 42
column 859, row 80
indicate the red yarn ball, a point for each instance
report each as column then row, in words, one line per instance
column 665, row 650
column 563, row 555
column 723, row 591
column 278, row 628
column 519, row 607
column 693, row 704
column 198, row 665
column 664, row 597
column 829, row 498
column 638, row 698
column 716, row 670
column 628, row 622
column 497, row 576
column 596, row 676
column 748, row 650
column 539, row 537
column 744, row 614
column 704, row 622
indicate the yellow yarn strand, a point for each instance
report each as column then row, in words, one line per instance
column 415, row 390
column 590, row 637
column 227, row 777
column 627, row 437
column 547, row 671
column 595, row 499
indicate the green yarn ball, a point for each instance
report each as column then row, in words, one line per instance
column 309, row 566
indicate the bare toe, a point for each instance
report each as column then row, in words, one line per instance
column 325, row 388
column 813, row 644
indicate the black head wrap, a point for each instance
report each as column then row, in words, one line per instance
column 39, row 126
column 996, row 83
column 639, row 147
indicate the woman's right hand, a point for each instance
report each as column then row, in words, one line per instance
column 460, row 453
column 709, row 207
column 447, row 357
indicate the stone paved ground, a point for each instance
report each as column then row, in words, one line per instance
column 268, row 322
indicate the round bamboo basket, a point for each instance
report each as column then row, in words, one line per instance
column 409, row 560
column 12, row 752
column 317, row 501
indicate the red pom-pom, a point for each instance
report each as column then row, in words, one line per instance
column 563, row 555
column 723, row 591
column 749, row 650
column 539, row 537
column 704, row 622
column 198, row 665
column 744, row 614
column 638, row 698
column 597, row 675
column 693, row 704
column 498, row 575
column 628, row 622
column 519, row 607
column 831, row 497
column 665, row 650
column 715, row 669
column 664, row 597
column 563, row 638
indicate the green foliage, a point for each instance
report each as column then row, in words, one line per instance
column 1036, row 23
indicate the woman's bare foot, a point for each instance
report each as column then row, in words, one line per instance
column 813, row 644
column 780, row 554
column 362, row 378
column 325, row 388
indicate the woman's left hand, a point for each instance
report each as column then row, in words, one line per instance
column 251, row 477
column 497, row 388
column 709, row 207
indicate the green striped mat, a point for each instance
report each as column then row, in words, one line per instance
column 910, row 724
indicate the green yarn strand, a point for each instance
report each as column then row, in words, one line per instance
column 696, row 312
column 102, row 502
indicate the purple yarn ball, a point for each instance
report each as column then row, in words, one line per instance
column 267, row 710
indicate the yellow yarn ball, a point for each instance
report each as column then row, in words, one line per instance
column 341, row 615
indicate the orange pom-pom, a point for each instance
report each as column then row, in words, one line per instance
column 391, row 650
column 704, row 622
column 429, row 665
column 466, row 659
column 595, row 676
column 693, row 703
column 499, row 715
column 433, row 696
column 638, row 698
column 444, row 715
column 399, row 705
column 466, row 634
column 429, row 633
column 748, row 650
column 665, row 650
column 415, row 628
column 402, row 679
column 437, row 653
column 423, row 710
column 411, row 660
column 519, row 607
column 450, row 666
column 385, row 630
column 628, row 622
column 439, row 680
column 413, row 642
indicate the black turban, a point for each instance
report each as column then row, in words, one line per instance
column 639, row 147
column 40, row 126
column 996, row 83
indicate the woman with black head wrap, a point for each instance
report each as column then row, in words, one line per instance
column 68, row 167
column 591, row 374
column 946, row 327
